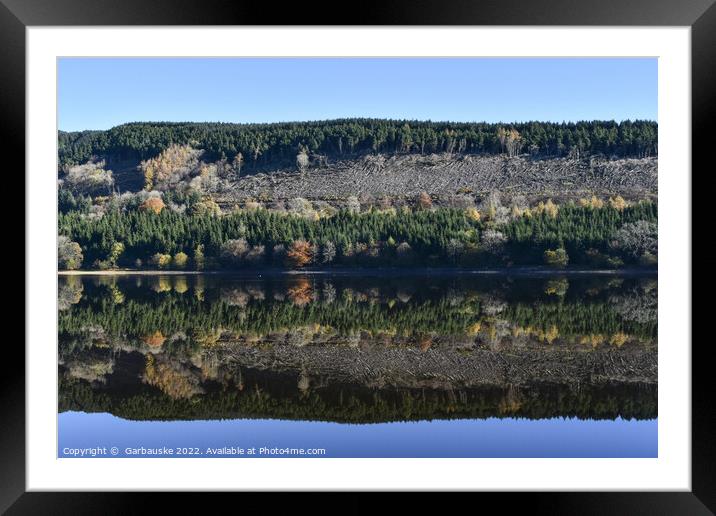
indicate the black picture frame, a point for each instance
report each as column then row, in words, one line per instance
column 700, row 15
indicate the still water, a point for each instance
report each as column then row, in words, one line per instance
column 460, row 365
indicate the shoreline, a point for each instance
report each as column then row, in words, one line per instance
column 378, row 271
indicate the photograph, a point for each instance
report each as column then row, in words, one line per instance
column 413, row 250
column 357, row 257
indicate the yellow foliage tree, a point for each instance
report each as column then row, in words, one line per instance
column 551, row 208
column 172, row 159
column 618, row 339
column 207, row 207
column 618, row 203
column 556, row 257
column 162, row 260
column 592, row 202
column 180, row 260
column 473, row 214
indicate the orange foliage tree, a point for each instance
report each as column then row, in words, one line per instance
column 301, row 292
column 154, row 204
column 299, row 254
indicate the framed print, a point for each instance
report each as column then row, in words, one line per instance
column 325, row 257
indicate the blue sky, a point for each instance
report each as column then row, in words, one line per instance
column 98, row 93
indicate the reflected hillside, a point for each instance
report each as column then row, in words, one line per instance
column 358, row 349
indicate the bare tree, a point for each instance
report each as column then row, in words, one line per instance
column 302, row 161
column 237, row 163
column 328, row 252
column 502, row 137
column 233, row 252
column 493, row 241
column 454, row 249
column 637, row 238
column 90, row 178
column 352, row 204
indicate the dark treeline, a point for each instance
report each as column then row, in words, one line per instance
column 444, row 237
column 278, row 143
column 272, row 398
column 576, row 229
column 131, row 312
column 595, row 318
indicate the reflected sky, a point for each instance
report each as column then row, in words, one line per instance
column 493, row 437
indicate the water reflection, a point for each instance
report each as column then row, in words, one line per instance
column 358, row 350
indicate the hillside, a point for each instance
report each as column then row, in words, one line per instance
column 445, row 176
column 358, row 193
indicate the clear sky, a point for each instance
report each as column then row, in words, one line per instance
column 99, row 93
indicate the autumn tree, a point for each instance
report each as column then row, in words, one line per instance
column 173, row 165
column 299, row 254
column 593, row 202
column 513, row 142
column 301, row 292
column 473, row 214
column 618, row 203
column 153, row 205
column 69, row 292
column 549, row 208
column 556, row 287
column 177, row 384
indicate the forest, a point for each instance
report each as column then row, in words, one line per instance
column 263, row 145
column 608, row 236
column 173, row 204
